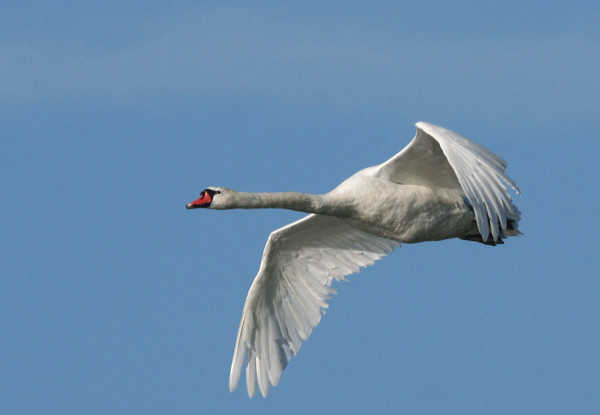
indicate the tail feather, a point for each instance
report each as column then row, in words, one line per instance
column 512, row 225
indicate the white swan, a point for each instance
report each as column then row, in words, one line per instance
column 440, row 186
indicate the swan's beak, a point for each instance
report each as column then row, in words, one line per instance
column 202, row 202
column 194, row 205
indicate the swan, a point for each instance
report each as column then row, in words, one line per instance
column 440, row 186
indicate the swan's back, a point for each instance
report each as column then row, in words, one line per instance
column 439, row 158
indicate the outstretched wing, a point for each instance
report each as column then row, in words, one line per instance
column 440, row 158
column 293, row 284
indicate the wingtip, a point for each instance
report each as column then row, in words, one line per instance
column 233, row 383
column 237, row 362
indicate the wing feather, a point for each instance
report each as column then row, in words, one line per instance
column 440, row 158
column 290, row 292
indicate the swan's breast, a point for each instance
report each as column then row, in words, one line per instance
column 406, row 213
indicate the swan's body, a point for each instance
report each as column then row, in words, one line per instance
column 440, row 186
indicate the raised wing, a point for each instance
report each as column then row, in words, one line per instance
column 440, row 158
column 293, row 284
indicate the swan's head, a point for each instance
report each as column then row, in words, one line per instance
column 212, row 197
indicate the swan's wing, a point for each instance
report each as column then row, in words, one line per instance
column 293, row 284
column 440, row 158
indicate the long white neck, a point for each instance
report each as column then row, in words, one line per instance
column 302, row 202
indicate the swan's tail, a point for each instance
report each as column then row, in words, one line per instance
column 512, row 224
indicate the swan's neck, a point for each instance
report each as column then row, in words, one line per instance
column 302, row 202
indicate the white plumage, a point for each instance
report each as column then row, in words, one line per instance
column 440, row 186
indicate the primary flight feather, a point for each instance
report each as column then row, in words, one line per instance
column 440, row 186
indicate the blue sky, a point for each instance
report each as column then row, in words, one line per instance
column 115, row 299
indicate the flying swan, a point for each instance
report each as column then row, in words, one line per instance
column 440, row 186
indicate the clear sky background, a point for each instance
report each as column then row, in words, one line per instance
column 116, row 299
